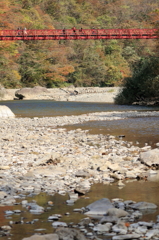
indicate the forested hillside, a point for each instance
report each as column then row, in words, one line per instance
column 77, row 62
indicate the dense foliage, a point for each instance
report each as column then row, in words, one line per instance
column 143, row 86
column 81, row 63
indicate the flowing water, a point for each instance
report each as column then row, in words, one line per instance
column 142, row 130
column 48, row 108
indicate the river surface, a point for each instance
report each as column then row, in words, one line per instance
column 48, row 108
column 139, row 130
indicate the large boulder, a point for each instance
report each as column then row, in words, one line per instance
column 5, row 112
column 150, row 158
column 32, row 93
column 99, row 207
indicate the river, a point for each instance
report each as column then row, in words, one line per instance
column 139, row 130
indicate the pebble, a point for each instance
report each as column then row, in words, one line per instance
column 35, row 157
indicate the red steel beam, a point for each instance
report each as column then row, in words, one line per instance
column 75, row 34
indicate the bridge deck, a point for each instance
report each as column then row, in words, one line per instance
column 75, row 34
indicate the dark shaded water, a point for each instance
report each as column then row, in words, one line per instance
column 144, row 130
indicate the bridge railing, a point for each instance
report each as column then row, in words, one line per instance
column 79, row 33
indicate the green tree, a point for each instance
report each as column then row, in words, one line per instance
column 30, row 69
column 144, row 84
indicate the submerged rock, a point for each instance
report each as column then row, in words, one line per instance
column 143, row 206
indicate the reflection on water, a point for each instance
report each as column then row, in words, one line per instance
column 133, row 190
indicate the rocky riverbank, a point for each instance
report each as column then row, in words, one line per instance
column 39, row 155
column 88, row 94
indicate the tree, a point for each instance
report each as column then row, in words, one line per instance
column 144, row 84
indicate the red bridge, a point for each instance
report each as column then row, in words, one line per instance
column 75, row 34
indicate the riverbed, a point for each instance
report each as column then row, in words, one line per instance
column 138, row 126
column 139, row 130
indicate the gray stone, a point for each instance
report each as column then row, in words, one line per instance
column 43, row 237
column 117, row 212
column 73, row 196
column 34, row 208
column 83, row 187
column 141, row 230
column 53, row 217
column 136, row 214
column 120, row 227
column 143, row 206
column 150, row 157
column 157, row 219
column 102, row 227
column 6, row 227
column 152, row 233
column 9, row 212
column 59, row 224
column 99, row 207
column 146, row 224
column 70, row 201
column 111, row 219
column 126, row 236
column 69, row 234
column 85, row 222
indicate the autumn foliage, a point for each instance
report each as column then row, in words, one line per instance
column 81, row 63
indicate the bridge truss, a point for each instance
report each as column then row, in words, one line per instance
column 81, row 34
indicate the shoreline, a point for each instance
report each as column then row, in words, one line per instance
column 87, row 94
